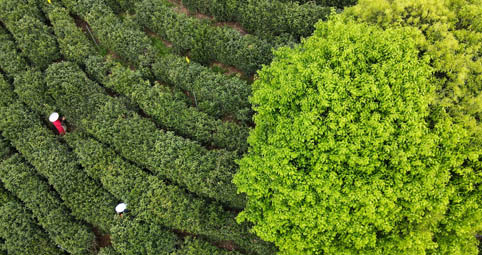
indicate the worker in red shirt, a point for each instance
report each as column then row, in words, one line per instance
column 58, row 123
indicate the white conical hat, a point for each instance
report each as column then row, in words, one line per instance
column 53, row 117
column 120, row 207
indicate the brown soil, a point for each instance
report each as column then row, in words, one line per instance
column 82, row 24
column 102, row 240
column 230, row 69
column 182, row 9
column 228, row 245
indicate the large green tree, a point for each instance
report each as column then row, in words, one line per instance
column 351, row 154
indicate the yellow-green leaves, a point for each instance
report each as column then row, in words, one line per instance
column 344, row 158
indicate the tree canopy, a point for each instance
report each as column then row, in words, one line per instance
column 352, row 154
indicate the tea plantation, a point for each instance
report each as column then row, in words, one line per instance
column 226, row 127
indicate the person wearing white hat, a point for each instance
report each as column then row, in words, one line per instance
column 121, row 208
column 54, row 118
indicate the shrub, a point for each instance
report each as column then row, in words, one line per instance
column 214, row 93
column 32, row 36
column 20, row 179
column 52, row 159
column 344, row 158
column 73, row 43
column 205, row 172
column 204, row 41
column 265, row 18
column 193, row 246
column 168, row 110
column 21, row 233
column 10, row 61
column 154, row 201
column 131, row 236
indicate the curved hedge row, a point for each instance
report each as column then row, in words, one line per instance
column 193, row 246
column 214, row 93
column 166, row 109
column 10, row 61
column 213, row 181
column 334, row 3
column 109, row 250
column 73, row 43
column 204, row 42
column 265, row 18
column 20, row 179
column 52, row 159
column 32, row 36
column 155, row 201
column 21, row 233
column 5, row 149
column 41, row 148
column 205, row 172
column 131, row 236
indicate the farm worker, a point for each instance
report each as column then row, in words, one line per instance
column 54, row 118
column 121, row 208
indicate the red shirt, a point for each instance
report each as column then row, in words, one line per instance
column 59, row 127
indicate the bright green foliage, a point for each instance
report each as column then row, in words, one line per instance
column 167, row 107
column 345, row 159
column 452, row 37
column 130, row 236
column 20, row 179
column 33, row 37
column 21, row 233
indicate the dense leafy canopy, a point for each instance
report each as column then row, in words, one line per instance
column 349, row 157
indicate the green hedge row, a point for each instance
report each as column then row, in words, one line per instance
column 132, row 236
column 10, row 61
column 192, row 246
column 22, row 180
column 334, row 3
column 96, row 206
column 214, row 93
column 73, row 43
column 109, row 250
column 32, row 36
column 265, row 18
column 154, row 201
column 26, row 83
column 205, row 172
column 19, row 230
column 53, row 160
column 203, row 41
column 166, row 109
column 5, row 148
column 202, row 171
